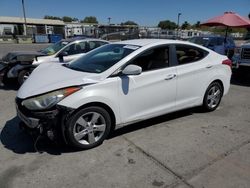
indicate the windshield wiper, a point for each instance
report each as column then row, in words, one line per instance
column 76, row 68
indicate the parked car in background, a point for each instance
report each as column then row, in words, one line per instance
column 12, row 63
column 219, row 44
column 61, row 52
column 119, row 84
column 69, row 52
column 241, row 58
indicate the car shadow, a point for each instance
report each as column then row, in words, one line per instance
column 10, row 85
column 20, row 142
column 241, row 77
column 14, row 139
column 154, row 121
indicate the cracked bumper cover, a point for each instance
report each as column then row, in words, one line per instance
column 48, row 119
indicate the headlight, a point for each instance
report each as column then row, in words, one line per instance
column 48, row 100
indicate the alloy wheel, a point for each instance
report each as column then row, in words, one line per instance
column 214, row 96
column 89, row 128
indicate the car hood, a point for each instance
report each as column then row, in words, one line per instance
column 44, row 59
column 9, row 56
column 49, row 77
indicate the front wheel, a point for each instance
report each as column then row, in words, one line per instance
column 212, row 96
column 23, row 76
column 88, row 127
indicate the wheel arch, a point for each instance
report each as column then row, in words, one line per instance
column 102, row 105
column 220, row 82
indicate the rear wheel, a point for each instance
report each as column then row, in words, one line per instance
column 88, row 127
column 212, row 96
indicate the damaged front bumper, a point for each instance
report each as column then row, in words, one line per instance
column 50, row 123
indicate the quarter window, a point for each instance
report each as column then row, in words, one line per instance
column 153, row 59
column 188, row 54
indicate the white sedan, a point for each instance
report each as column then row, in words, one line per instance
column 119, row 84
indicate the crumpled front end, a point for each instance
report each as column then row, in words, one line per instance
column 48, row 122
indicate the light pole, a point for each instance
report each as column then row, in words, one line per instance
column 109, row 19
column 24, row 16
column 178, row 21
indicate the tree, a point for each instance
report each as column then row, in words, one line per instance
column 89, row 19
column 167, row 24
column 129, row 23
column 52, row 17
column 75, row 19
column 67, row 19
column 185, row 25
column 197, row 24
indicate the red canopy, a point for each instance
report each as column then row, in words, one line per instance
column 229, row 19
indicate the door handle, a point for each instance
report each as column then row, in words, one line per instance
column 209, row 66
column 170, row 76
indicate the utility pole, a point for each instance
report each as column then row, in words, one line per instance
column 108, row 29
column 24, row 16
column 178, row 22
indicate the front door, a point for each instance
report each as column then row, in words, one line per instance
column 151, row 93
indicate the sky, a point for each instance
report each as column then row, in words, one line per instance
column 143, row 12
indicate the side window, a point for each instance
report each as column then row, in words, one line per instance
column 188, row 54
column 153, row 59
column 76, row 48
column 81, row 47
column 95, row 44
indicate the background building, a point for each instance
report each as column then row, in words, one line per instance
column 16, row 26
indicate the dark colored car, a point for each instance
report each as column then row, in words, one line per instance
column 219, row 44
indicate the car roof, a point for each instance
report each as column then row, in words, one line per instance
column 145, row 42
column 86, row 39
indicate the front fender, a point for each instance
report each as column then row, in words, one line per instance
column 105, row 92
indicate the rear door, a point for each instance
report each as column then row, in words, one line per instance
column 193, row 69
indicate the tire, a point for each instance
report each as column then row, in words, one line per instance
column 3, row 79
column 88, row 127
column 23, row 75
column 212, row 97
column 230, row 53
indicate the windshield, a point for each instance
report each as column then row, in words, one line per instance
column 9, row 57
column 52, row 49
column 200, row 40
column 102, row 58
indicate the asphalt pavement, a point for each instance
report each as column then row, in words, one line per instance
column 186, row 149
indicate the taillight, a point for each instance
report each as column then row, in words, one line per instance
column 227, row 62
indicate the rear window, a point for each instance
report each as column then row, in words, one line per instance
column 187, row 54
column 200, row 40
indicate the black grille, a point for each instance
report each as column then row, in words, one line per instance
column 245, row 54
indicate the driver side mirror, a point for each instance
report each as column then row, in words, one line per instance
column 132, row 70
column 61, row 55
